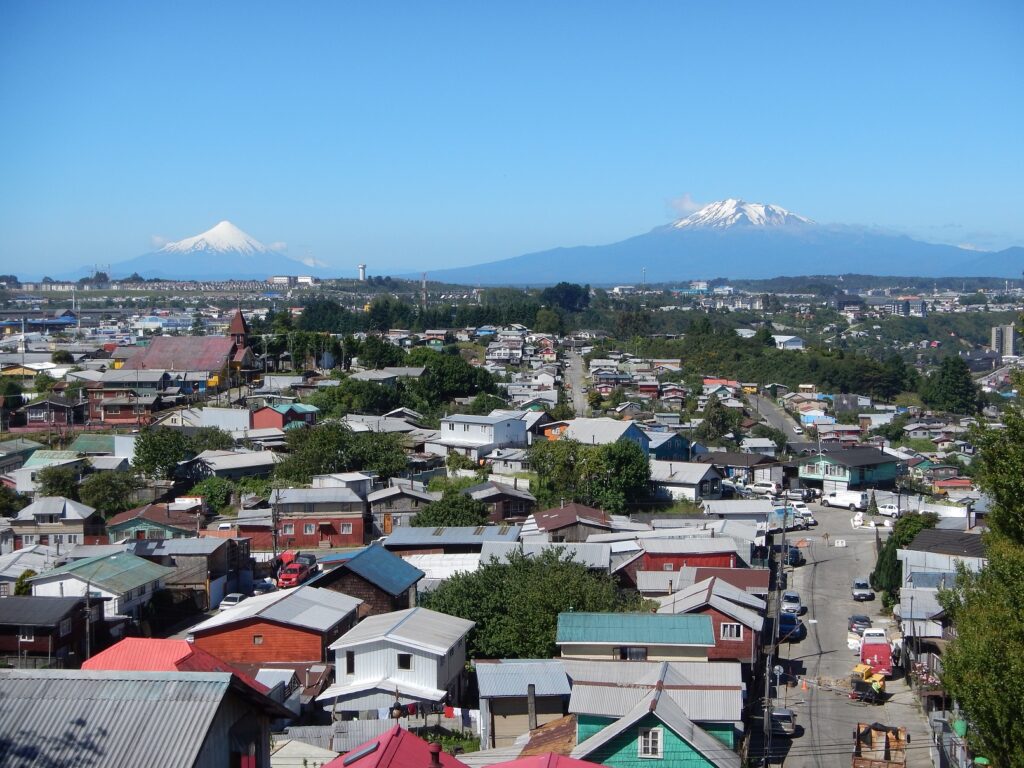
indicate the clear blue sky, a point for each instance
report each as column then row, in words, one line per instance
column 417, row 135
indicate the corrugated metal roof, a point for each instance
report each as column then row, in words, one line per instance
column 634, row 628
column 114, row 719
column 58, row 506
column 442, row 566
column 305, row 606
column 740, row 507
column 151, row 547
column 115, row 573
column 692, row 545
column 316, row 496
column 404, row 537
column 36, row 611
column 415, row 627
column 512, row 677
column 93, row 444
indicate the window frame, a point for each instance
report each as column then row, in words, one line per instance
column 26, row 634
column 350, row 662
column 403, row 661
column 308, row 529
column 731, row 624
column 288, row 529
column 650, row 743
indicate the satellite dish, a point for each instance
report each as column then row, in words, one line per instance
column 777, row 669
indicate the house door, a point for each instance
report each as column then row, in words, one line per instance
column 140, row 534
column 386, row 525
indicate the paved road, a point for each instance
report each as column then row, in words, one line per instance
column 775, row 416
column 827, row 719
column 574, row 373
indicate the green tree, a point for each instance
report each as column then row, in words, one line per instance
column 887, row 575
column 210, row 439
column 198, row 327
column 21, row 586
column 377, row 353
column 547, row 321
column 569, row 297
column 109, row 492
column 777, row 436
column 63, row 357
column 594, row 399
column 324, row 449
column 452, row 509
column 951, row 388
column 44, row 383
column 873, row 505
column 380, row 452
column 515, row 602
column 216, row 492
column 627, row 473
column 717, row 422
column 158, row 451
column 484, row 403
column 999, row 470
column 58, row 481
column 12, row 502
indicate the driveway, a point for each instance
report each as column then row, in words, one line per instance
column 827, row 719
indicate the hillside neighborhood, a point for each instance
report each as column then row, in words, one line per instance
column 485, row 545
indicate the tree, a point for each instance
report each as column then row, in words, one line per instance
column 21, row 586
column 12, row 502
column 109, row 492
column 627, row 472
column 216, row 492
column 594, row 399
column 873, row 505
column 453, row 509
column 158, row 451
column 951, row 388
column 515, row 602
column 198, row 328
column 607, row 476
column 324, row 449
column 999, row 470
column 380, row 452
column 777, row 436
column 484, row 403
column 58, row 481
column 569, row 297
column 377, row 353
column 44, row 382
column 210, row 439
column 887, row 575
column 547, row 321
column 717, row 421
column 63, row 357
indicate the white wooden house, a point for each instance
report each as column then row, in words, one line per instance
column 417, row 654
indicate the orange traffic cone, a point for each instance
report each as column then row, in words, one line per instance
column 803, row 684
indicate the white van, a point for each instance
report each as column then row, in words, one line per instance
column 852, row 500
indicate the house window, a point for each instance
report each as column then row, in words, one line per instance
column 71, row 538
column 405, row 661
column 649, row 743
column 666, row 566
column 5, row 588
column 350, row 662
column 309, row 529
column 288, row 529
column 26, row 634
column 731, row 632
column 257, row 639
column 346, row 527
column 29, row 538
column 632, row 653
column 113, row 409
column 65, row 627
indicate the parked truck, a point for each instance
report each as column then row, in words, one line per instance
column 879, row 746
column 877, row 653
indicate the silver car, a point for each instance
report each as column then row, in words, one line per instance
column 783, row 721
column 862, row 590
column 791, row 603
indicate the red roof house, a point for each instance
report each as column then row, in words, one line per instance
column 549, row 760
column 143, row 654
column 397, row 748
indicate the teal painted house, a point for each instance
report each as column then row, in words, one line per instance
column 711, row 695
column 635, row 636
column 850, row 469
column 656, row 729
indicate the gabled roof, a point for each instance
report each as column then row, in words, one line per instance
column 379, row 567
column 160, row 514
column 116, row 573
column 855, row 457
column 238, row 324
column 680, row 472
column 418, row 628
column 395, row 749
column 561, row 517
column 149, row 654
column 662, row 707
column 490, row 489
column 34, row 611
column 316, row 496
column 512, row 677
column 194, row 353
column 723, row 597
column 706, row 692
column 64, row 508
column 548, row 760
column 634, row 629
column 306, row 607
column 450, row 536
column 601, row 431
column 402, row 490
column 114, row 719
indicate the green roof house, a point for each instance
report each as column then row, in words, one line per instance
column 635, row 636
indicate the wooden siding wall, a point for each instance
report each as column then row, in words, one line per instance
column 375, row 600
column 280, row 643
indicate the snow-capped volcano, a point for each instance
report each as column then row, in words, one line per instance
column 730, row 213
column 223, row 238
column 222, row 253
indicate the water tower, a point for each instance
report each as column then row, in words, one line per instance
column 362, row 273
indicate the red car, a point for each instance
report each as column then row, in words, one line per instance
column 293, row 574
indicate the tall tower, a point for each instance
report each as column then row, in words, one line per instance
column 362, row 273
column 423, row 289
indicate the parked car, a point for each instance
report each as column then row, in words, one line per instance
column 231, row 600
column 852, row 500
column 783, row 721
column 263, row 586
column 858, row 623
column 800, row 494
column 889, row 510
column 798, row 430
column 790, row 555
column 791, row 629
column 765, row 488
column 293, row 575
column 791, row 603
column 862, row 591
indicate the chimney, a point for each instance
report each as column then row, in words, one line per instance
column 435, row 755
column 531, row 705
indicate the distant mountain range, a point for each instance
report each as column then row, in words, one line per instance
column 222, row 253
column 733, row 238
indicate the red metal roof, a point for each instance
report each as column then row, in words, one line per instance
column 560, row 517
column 238, row 324
column 185, row 353
column 158, row 513
column 741, row 578
column 142, row 654
column 395, row 749
column 550, row 760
